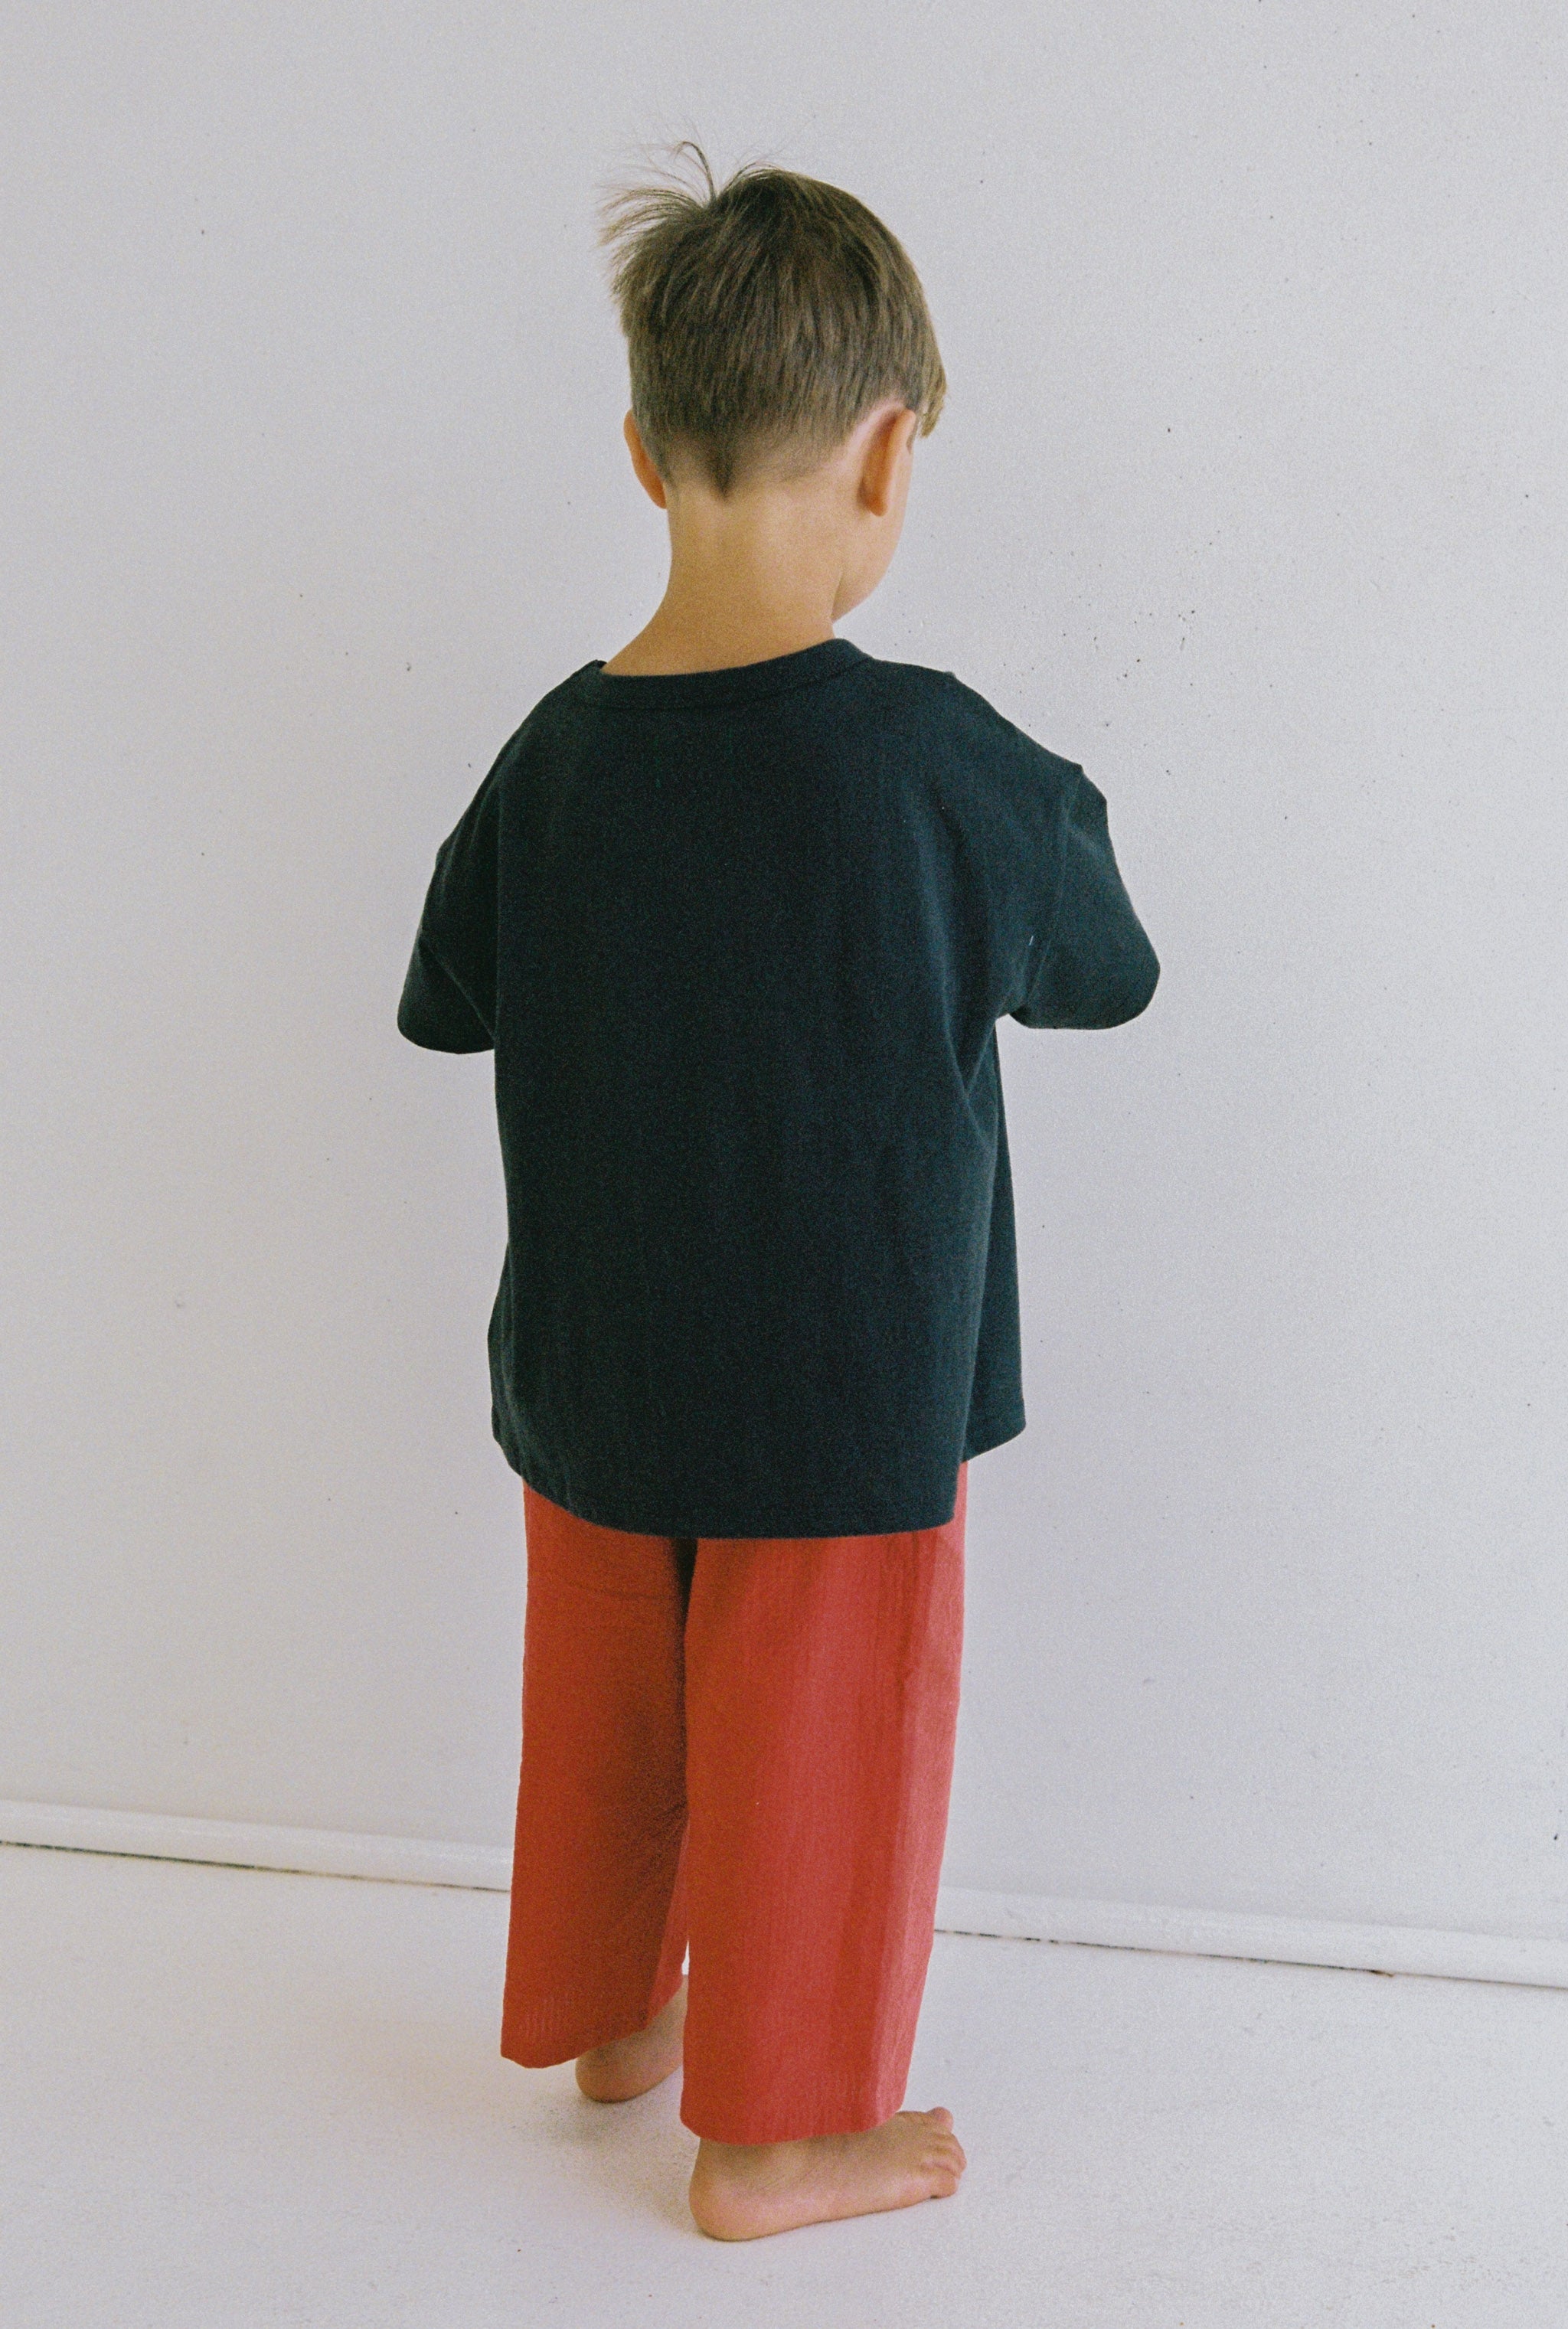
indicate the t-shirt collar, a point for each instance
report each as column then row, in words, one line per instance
column 736, row 684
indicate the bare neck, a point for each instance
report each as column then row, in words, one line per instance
column 749, row 580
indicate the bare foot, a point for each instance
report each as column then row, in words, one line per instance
column 739, row 2191
column 631, row 2066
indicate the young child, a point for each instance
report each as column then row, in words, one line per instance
column 738, row 911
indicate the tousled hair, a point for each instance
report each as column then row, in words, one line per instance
column 764, row 318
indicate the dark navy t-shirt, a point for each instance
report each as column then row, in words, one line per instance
column 740, row 940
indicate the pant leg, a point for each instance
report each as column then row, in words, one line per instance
column 597, row 1931
column 821, row 1703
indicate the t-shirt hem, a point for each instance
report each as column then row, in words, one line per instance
column 980, row 1439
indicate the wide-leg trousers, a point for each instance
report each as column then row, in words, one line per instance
column 745, row 1746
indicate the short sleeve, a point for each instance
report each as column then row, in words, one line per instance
column 449, row 997
column 1096, row 968
column 434, row 1011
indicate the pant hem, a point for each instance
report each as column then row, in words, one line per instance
column 602, row 2034
column 758, row 2128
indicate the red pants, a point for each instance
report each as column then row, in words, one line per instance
column 745, row 1744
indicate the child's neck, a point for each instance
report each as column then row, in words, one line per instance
column 750, row 578
column 717, row 643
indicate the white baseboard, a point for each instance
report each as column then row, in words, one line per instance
column 240, row 1844
column 1271, row 1940
column 1011, row 1916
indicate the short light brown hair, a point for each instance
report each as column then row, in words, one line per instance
column 762, row 319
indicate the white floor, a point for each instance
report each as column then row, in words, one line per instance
column 230, row 2098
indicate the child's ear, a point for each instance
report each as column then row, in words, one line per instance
column 648, row 477
column 884, row 451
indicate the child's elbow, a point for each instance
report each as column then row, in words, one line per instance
column 1140, row 988
column 1127, row 992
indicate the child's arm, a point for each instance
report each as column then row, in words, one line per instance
column 1098, row 967
column 434, row 1011
column 449, row 997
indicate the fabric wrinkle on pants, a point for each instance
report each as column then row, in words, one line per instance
column 744, row 1744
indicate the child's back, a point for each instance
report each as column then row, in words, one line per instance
column 739, row 939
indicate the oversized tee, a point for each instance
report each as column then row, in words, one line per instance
column 739, row 940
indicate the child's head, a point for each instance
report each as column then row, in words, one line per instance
column 764, row 321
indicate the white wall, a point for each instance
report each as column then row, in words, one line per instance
column 1248, row 496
